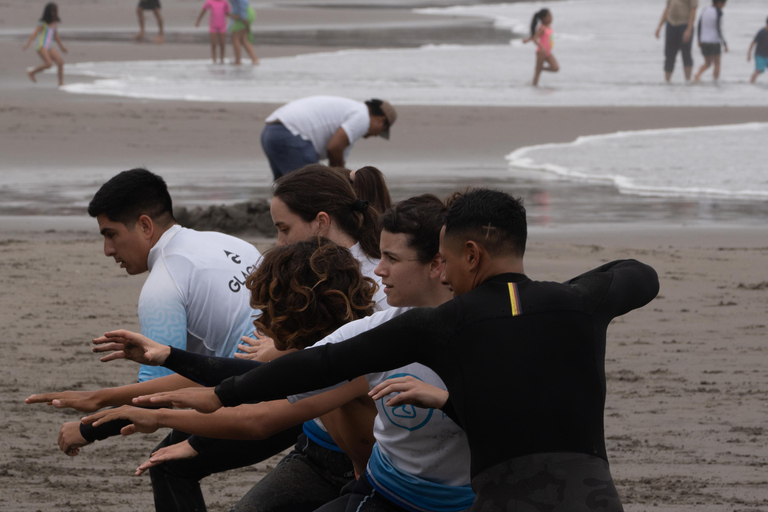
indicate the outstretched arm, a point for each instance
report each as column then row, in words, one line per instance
column 628, row 285
column 249, row 421
column 91, row 401
column 407, row 338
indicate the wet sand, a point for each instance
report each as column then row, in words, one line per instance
column 686, row 375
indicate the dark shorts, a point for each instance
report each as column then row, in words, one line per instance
column 149, row 5
column 710, row 49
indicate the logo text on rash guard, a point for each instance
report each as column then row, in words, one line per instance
column 237, row 283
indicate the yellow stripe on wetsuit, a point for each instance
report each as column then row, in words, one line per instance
column 514, row 299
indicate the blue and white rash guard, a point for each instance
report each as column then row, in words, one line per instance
column 195, row 297
column 421, row 457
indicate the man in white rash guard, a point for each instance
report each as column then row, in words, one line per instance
column 194, row 297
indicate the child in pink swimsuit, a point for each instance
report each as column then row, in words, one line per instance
column 217, row 25
column 541, row 35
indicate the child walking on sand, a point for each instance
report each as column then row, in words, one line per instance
column 46, row 33
column 541, row 35
column 711, row 38
column 217, row 25
column 760, row 44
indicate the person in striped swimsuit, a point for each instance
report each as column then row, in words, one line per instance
column 45, row 34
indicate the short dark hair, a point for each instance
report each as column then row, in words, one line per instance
column 420, row 218
column 307, row 290
column 131, row 194
column 492, row 218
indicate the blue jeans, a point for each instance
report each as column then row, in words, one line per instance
column 285, row 151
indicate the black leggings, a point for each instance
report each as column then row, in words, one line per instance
column 304, row 480
column 363, row 498
column 176, row 484
column 673, row 44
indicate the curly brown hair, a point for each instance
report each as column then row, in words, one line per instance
column 307, row 290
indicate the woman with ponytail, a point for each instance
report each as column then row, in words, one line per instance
column 319, row 201
column 541, row 35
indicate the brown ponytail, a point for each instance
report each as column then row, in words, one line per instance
column 317, row 188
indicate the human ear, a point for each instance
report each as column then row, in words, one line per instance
column 146, row 225
column 323, row 222
column 472, row 255
column 436, row 266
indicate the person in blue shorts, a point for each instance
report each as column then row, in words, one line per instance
column 760, row 45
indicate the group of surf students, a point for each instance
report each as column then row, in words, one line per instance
column 400, row 348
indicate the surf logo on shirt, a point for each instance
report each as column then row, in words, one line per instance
column 237, row 282
column 405, row 416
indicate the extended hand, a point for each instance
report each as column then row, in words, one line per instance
column 83, row 401
column 182, row 450
column 143, row 420
column 410, row 391
column 200, row 399
column 260, row 349
column 70, row 440
column 130, row 345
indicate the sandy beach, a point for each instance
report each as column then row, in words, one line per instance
column 687, row 379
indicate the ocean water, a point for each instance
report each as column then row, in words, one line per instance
column 723, row 162
column 606, row 48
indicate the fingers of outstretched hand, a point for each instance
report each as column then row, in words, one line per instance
column 117, row 354
column 396, row 385
column 251, row 355
column 46, row 398
column 146, row 465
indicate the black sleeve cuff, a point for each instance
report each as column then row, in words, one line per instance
column 103, row 431
column 199, row 444
column 227, row 394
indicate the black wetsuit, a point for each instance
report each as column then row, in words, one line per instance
column 524, row 364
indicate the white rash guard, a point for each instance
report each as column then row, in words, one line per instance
column 317, row 118
column 195, row 297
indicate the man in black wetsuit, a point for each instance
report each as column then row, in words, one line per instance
column 523, row 361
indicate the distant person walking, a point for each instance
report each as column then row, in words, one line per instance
column 46, row 33
column 311, row 129
column 217, row 25
column 242, row 37
column 711, row 38
column 679, row 16
column 760, row 44
column 154, row 6
column 541, row 35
